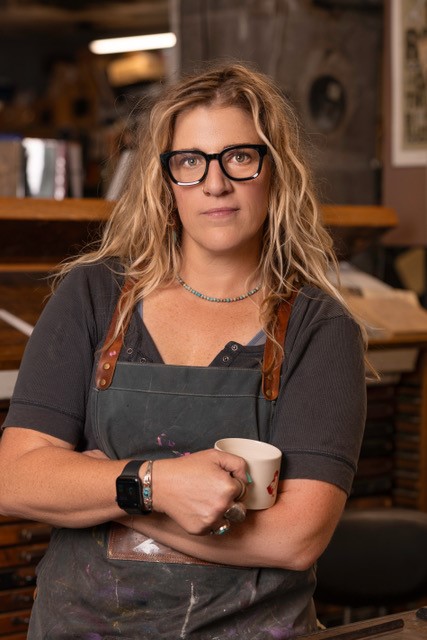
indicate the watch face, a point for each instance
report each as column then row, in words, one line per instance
column 128, row 493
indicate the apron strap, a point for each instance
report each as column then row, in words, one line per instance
column 108, row 360
column 270, row 371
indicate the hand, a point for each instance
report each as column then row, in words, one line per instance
column 196, row 490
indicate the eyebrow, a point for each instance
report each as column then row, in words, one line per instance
column 228, row 146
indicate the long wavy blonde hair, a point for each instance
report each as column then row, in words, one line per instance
column 142, row 230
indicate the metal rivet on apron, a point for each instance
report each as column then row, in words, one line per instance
column 107, row 366
column 268, row 393
column 225, row 358
column 234, row 347
column 103, row 382
column 112, row 353
column 129, row 350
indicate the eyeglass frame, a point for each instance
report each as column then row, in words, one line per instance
column 167, row 155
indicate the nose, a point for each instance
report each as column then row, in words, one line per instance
column 216, row 182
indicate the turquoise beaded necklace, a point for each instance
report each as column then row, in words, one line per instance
column 211, row 298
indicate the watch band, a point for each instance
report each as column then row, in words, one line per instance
column 130, row 470
column 129, row 495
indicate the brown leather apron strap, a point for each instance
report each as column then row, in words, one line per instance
column 108, row 360
column 270, row 369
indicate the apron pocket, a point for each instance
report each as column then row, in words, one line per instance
column 127, row 544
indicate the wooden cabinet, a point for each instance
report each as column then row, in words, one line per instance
column 22, row 545
column 392, row 469
column 410, row 451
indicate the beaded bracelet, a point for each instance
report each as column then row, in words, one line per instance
column 147, row 489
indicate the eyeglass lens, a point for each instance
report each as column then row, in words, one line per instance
column 241, row 164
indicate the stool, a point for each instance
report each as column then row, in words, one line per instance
column 377, row 557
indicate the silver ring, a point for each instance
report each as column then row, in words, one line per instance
column 236, row 513
column 224, row 528
column 242, row 490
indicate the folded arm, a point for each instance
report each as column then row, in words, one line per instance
column 44, row 479
column 292, row 534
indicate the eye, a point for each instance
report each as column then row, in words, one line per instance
column 239, row 156
column 188, row 160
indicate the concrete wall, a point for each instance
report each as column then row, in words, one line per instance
column 326, row 60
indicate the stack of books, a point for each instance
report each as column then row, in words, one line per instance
column 40, row 168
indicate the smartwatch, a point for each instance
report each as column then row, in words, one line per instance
column 129, row 489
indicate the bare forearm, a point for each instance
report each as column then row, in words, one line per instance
column 61, row 487
column 44, row 479
column 257, row 542
column 290, row 535
column 240, row 547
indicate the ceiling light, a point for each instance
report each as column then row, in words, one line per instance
column 133, row 43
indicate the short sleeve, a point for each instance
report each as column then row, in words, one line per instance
column 321, row 410
column 53, row 383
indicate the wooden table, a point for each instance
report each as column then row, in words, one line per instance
column 399, row 626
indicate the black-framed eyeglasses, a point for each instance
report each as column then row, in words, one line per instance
column 188, row 167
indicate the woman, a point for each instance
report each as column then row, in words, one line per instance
column 218, row 198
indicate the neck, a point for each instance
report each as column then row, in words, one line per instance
column 220, row 276
column 210, row 298
column 220, row 282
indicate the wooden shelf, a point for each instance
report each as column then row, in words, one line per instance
column 78, row 209
column 50, row 230
column 32, row 266
column 37, row 234
column 376, row 217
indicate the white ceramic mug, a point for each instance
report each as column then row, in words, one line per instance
column 263, row 462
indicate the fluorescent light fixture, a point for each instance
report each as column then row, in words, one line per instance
column 133, row 43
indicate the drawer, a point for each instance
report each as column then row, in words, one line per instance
column 15, row 599
column 14, row 621
column 24, row 532
column 22, row 554
column 17, row 577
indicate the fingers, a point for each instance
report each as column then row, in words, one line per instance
column 236, row 513
column 222, row 529
column 242, row 490
column 197, row 490
column 235, row 465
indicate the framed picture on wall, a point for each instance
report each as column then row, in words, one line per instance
column 409, row 82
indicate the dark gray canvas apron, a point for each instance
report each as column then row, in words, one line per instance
column 110, row 582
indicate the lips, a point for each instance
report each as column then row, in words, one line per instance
column 220, row 212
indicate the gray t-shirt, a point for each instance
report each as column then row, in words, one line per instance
column 320, row 413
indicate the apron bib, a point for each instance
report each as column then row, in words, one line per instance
column 111, row 582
